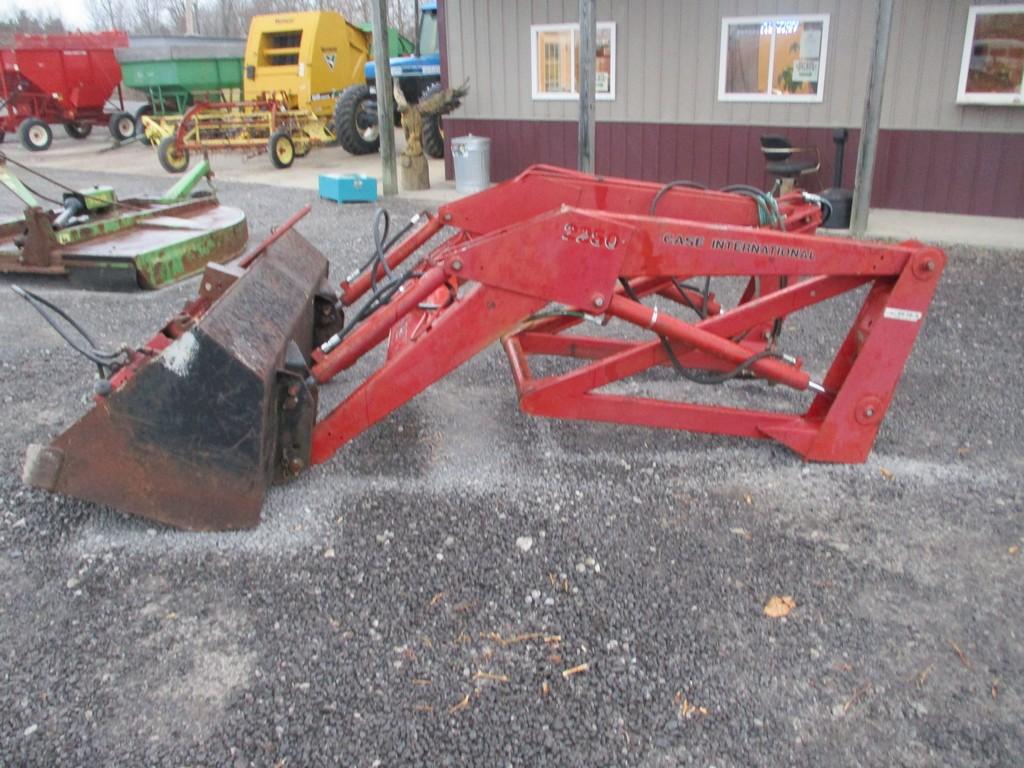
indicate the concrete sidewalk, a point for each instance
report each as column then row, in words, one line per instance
column 946, row 228
column 96, row 154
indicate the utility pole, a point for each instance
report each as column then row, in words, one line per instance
column 191, row 17
column 868, row 147
column 588, row 84
column 385, row 98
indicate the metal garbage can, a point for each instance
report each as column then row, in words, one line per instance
column 472, row 158
column 841, row 202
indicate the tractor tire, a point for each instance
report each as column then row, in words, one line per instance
column 78, row 130
column 35, row 135
column 172, row 159
column 348, row 110
column 433, row 130
column 122, row 126
column 282, row 149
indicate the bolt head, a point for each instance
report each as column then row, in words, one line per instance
column 599, row 301
column 869, row 412
column 456, row 265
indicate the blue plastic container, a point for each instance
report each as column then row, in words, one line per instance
column 348, row 187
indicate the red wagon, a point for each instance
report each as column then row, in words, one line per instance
column 65, row 79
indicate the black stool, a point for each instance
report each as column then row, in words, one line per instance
column 781, row 164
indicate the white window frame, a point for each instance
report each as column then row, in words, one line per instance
column 991, row 99
column 574, row 29
column 729, row 21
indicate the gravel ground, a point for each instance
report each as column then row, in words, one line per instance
column 416, row 600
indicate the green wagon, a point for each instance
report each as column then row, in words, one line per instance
column 174, row 73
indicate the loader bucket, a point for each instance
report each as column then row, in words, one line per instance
column 193, row 436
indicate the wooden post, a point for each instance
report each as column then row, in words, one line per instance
column 588, row 84
column 868, row 146
column 385, row 99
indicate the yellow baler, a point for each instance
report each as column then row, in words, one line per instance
column 304, row 59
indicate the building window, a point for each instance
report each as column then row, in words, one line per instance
column 773, row 58
column 992, row 69
column 555, row 55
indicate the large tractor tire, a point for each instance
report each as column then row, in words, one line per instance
column 35, row 135
column 355, row 124
column 78, row 130
column 433, row 130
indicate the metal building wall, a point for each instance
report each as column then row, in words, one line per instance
column 666, row 121
column 924, row 70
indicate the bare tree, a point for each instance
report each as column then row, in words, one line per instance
column 175, row 11
column 108, row 14
column 230, row 18
column 24, row 22
column 148, row 17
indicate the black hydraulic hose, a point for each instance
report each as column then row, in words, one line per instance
column 707, row 379
column 379, row 250
column 379, row 236
column 105, row 361
column 702, row 312
column 672, row 185
column 824, row 203
column 711, row 379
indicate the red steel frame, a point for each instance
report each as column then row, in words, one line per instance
column 556, row 236
column 36, row 78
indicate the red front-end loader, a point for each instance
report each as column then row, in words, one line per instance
column 192, row 428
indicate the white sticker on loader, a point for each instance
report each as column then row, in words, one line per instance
column 907, row 315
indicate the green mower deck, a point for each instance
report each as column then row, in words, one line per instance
column 110, row 244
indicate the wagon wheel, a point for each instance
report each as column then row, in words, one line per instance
column 282, row 149
column 77, row 130
column 122, row 126
column 35, row 135
column 145, row 110
column 172, row 159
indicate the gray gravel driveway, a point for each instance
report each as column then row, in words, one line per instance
column 419, row 599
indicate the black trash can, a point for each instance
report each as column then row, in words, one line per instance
column 841, row 201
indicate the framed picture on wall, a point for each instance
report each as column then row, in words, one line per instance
column 992, row 67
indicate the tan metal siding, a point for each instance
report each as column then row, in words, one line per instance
column 667, row 55
column 924, row 70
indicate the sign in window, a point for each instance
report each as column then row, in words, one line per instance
column 992, row 69
column 555, row 54
column 773, row 58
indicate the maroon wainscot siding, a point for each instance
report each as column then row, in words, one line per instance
column 952, row 172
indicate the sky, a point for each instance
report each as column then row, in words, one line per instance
column 72, row 11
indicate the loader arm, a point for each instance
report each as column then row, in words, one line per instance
column 528, row 263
